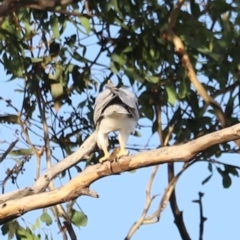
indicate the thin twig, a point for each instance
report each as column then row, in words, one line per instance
column 143, row 219
column 148, row 202
column 9, row 149
column 42, row 110
column 166, row 196
column 202, row 218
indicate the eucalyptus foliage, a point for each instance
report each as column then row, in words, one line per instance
column 59, row 59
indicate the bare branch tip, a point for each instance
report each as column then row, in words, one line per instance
column 89, row 193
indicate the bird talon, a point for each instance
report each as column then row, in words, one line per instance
column 122, row 153
column 104, row 158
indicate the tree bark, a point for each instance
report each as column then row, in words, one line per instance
column 18, row 204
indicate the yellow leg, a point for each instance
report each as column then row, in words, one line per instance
column 122, row 142
column 106, row 155
column 122, row 152
column 114, row 153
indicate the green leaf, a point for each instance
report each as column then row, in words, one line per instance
column 195, row 9
column 9, row 118
column 26, row 234
column 54, row 48
column 153, row 79
column 45, row 217
column 113, row 67
column 57, row 91
column 78, row 169
column 56, row 74
column 85, row 23
column 147, row 111
column 127, row 49
column 171, row 95
column 55, row 27
column 36, row 224
column 70, row 41
column 78, row 218
column 183, row 88
column 37, row 60
column 210, row 167
column 226, row 179
column 195, row 44
column 207, row 179
column 231, row 170
column 22, row 152
column 79, row 58
column 152, row 53
column 5, row 229
column 137, row 134
column 118, row 59
column 12, row 226
column 17, row 160
column 7, row 26
column 114, row 4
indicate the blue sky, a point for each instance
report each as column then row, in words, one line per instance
column 122, row 197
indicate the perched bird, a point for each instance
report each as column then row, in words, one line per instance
column 116, row 109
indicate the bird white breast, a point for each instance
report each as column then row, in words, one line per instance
column 117, row 122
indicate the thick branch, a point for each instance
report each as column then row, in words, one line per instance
column 181, row 153
column 10, row 6
column 42, row 200
column 43, row 181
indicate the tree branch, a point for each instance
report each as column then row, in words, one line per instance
column 178, row 216
column 9, row 149
column 9, row 6
column 143, row 219
column 79, row 185
column 202, row 218
column 166, row 196
column 185, row 59
column 148, row 203
column 182, row 53
column 43, row 181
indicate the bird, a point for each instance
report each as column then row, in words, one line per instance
column 115, row 109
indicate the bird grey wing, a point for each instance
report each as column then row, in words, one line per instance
column 104, row 98
column 115, row 108
column 101, row 102
column 134, row 112
column 129, row 98
column 126, row 96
